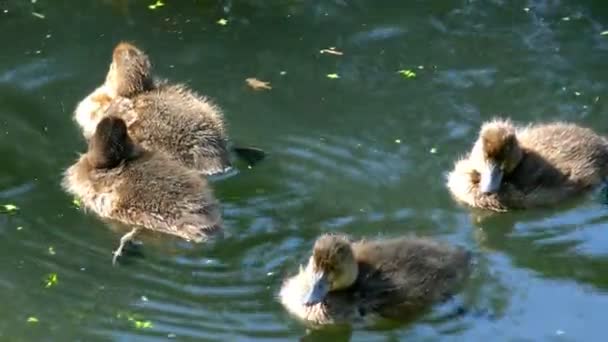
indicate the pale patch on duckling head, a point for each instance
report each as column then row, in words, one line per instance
column 90, row 110
column 111, row 144
column 332, row 266
column 130, row 71
column 495, row 154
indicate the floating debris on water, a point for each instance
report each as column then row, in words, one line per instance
column 397, row 141
column 433, row 150
column 51, row 280
column 332, row 51
column 38, row 15
column 8, row 208
column 333, row 76
column 142, row 324
column 157, row 4
column 32, row 319
column 407, row 73
column 256, row 84
column 134, row 319
column 604, row 33
column 222, row 22
column 52, row 250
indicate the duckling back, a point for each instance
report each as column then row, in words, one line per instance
column 190, row 128
column 559, row 153
column 398, row 278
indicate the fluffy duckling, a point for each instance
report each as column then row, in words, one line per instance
column 121, row 181
column 517, row 167
column 347, row 281
column 161, row 116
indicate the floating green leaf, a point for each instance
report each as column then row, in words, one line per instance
column 32, row 319
column 142, row 324
column 407, row 73
column 8, row 208
column 333, row 76
column 157, row 4
column 51, row 280
column 222, row 22
column 135, row 319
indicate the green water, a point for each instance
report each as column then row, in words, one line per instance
column 351, row 154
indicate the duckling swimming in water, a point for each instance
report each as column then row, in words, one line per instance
column 118, row 180
column 518, row 167
column 161, row 116
column 345, row 281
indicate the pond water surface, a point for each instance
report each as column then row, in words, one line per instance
column 365, row 153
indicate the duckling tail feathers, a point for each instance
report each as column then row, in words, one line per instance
column 251, row 155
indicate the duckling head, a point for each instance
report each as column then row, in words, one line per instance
column 130, row 71
column 495, row 154
column 332, row 266
column 110, row 144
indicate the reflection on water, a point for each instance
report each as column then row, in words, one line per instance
column 364, row 154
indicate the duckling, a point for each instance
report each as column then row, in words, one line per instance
column 121, row 181
column 347, row 281
column 161, row 116
column 519, row 167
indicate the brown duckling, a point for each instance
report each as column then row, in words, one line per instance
column 347, row 281
column 517, row 167
column 121, row 181
column 161, row 116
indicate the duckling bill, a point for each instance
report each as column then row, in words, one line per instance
column 519, row 167
column 161, row 116
column 346, row 281
column 121, row 181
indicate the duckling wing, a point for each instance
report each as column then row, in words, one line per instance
column 535, row 172
column 563, row 152
column 401, row 277
column 189, row 127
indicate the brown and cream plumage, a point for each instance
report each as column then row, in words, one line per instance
column 161, row 116
column 516, row 167
column 118, row 180
column 347, row 281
